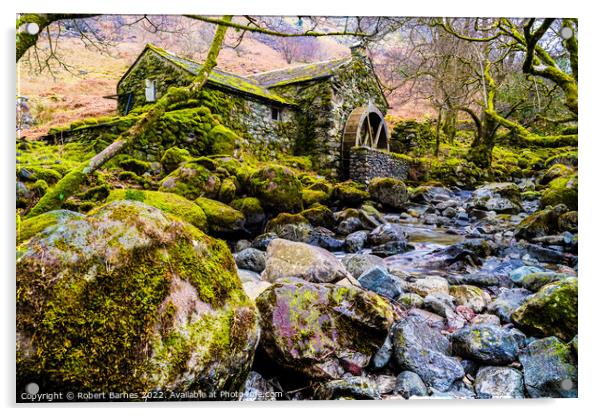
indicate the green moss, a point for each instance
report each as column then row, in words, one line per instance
column 561, row 191
column 311, row 197
column 192, row 180
column 227, row 191
column 32, row 226
column 39, row 187
column 283, row 219
column 277, row 187
column 167, row 202
column 222, row 140
column 221, row 218
column 552, row 311
column 95, row 193
column 350, row 193
column 173, row 157
column 319, row 215
column 134, row 165
column 251, row 209
column 90, row 326
column 46, row 174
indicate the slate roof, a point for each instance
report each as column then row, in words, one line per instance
column 222, row 78
column 299, row 73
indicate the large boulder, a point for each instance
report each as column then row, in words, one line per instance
column 252, row 210
column 390, row 192
column 490, row 344
column 221, row 218
column 167, row 202
column 192, row 180
column 499, row 197
column 293, row 259
column 425, row 351
column 551, row 311
column 499, row 383
column 550, row 369
column 131, row 299
column 322, row 330
column 277, row 187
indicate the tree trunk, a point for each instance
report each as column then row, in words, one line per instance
column 450, row 121
column 438, row 131
column 53, row 199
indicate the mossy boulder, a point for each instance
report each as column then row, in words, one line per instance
column 134, row 165
column 129, row 298
column 35, row 225
column 277, row 187
column 221, row 218
column 561, row 191
column 390, row 192
column 552, row 311
column 192, row 180
column 540, row 223
column 283, row 219
column 222, row 140
column 173, row 204
column 227, row 191
column 322, row 330
column 569, row 221
column 556, row 171
column 350, row 193
column 311, row 197
column 173, row 158
column 320, row 216
column 252, row 210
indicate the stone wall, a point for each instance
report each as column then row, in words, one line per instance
column 366, row 163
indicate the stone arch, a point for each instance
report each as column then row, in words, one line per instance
column 365, row 127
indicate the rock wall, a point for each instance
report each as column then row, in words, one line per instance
column 366, row 163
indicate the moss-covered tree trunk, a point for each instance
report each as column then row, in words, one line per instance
column 53, row 199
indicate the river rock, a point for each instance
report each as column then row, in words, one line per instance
column 490, row 344
column 507, row 301
column 357, row 387
column 536, row 281
column 386, row 233
column 292, row 259
column 277, row 187
column 314, row 328
column 498, row 197
column 358, row 264
column 499, row 383
column 423, row 350
column 250, row 259
column 517, row 275
column 409, row 384
column 262, row 241
column 128, row 278
column 380, row 281
column 257, row 389
column 428, row 286
column 354, row 242
column 551, row 311
column 549, row 369
column 473, row 297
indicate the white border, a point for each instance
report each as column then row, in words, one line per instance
column 590, row 154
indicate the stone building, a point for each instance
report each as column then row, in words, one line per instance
column 322, row 109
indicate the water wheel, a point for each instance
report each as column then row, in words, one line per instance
column 365, row 127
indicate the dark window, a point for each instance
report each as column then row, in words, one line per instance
column 276, row 114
